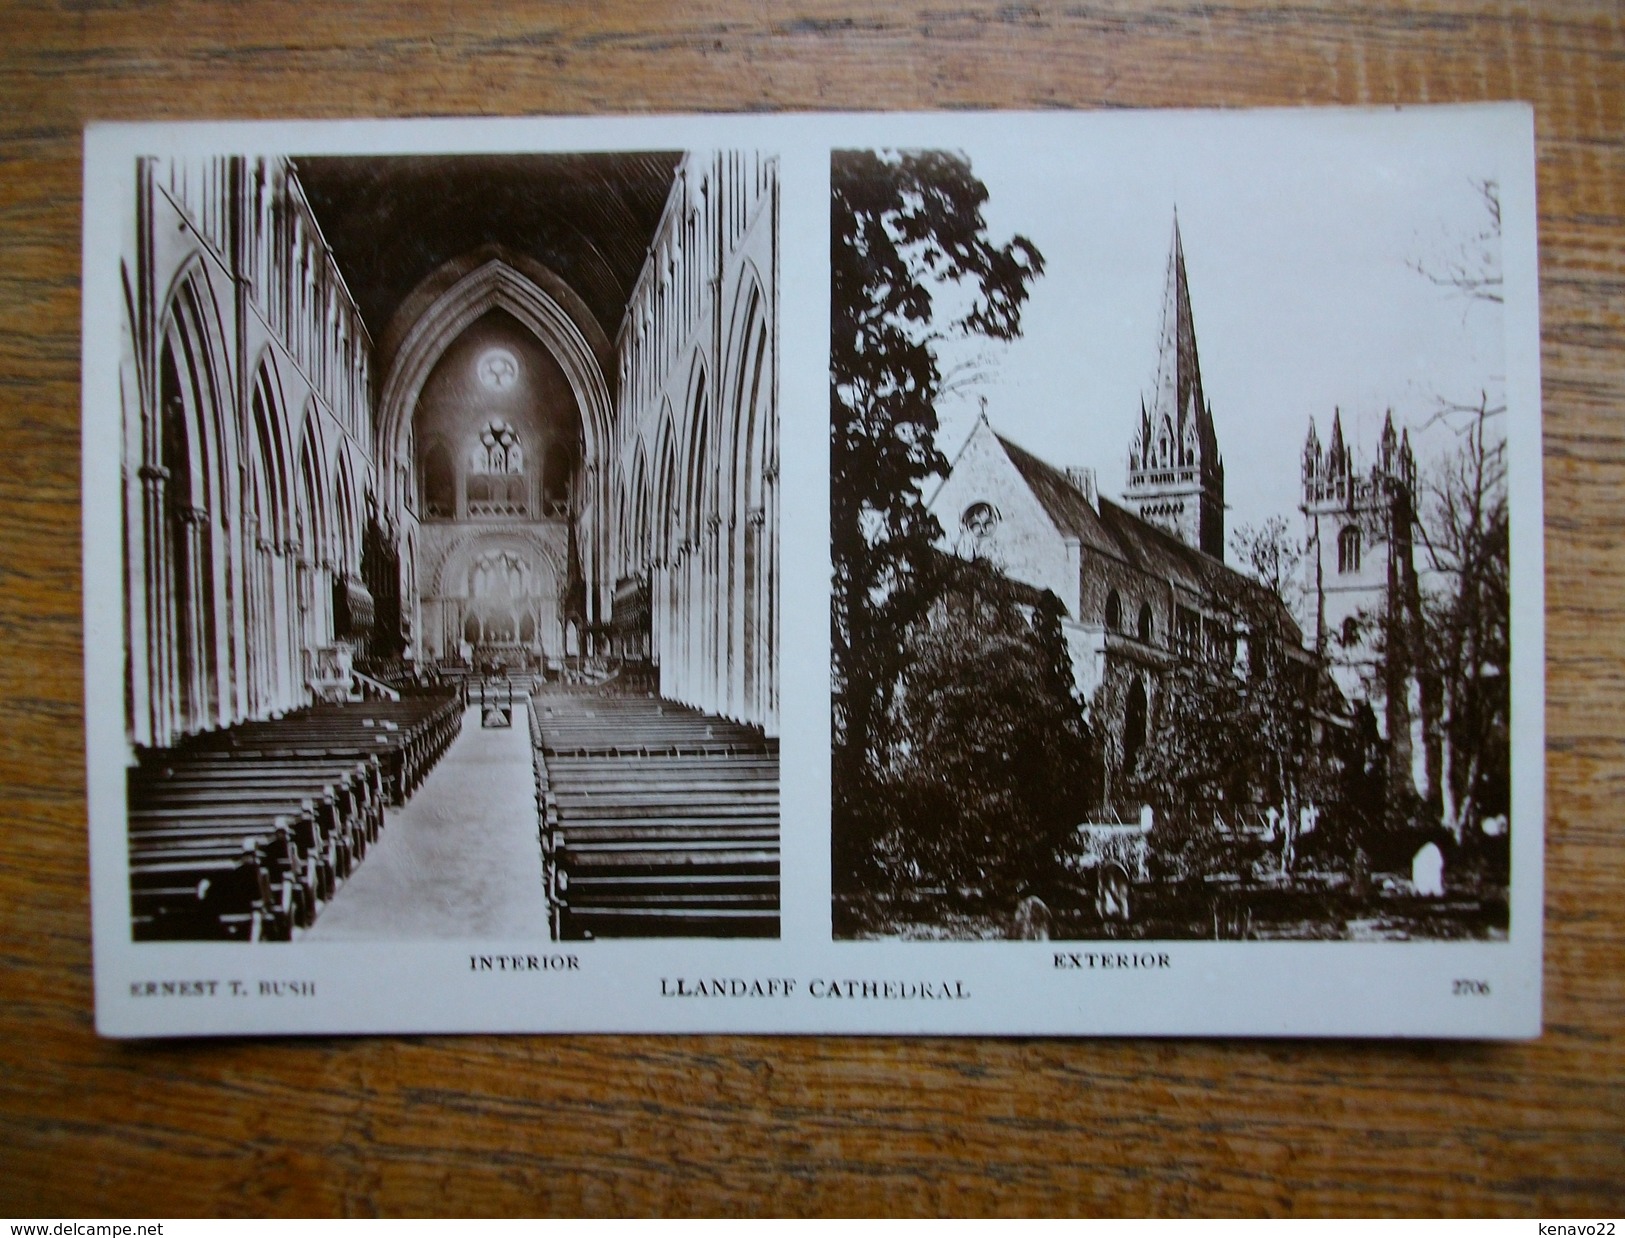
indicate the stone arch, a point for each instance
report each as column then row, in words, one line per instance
column 267, row 529
column 190, row 465
column 1136, row 722
column 665, row 509
column 746, row 358
column 266, row 432
column 533, row 618
column 348, row 510
column 459, row 557
column 315, row 492
column 634, row 530
column 751, row 521
column 494, row 284
column 698, row 473
column 437, row 488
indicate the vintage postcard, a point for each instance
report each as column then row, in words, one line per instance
column 964, row 574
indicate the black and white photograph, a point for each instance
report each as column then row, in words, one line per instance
column 1170, row 542
column 450, row 563
column 927, row 575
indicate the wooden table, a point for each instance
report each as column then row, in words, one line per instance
column 737, row 1125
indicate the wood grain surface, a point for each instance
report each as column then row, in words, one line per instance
column 487, row 1125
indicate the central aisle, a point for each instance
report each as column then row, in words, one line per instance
column 460, row 859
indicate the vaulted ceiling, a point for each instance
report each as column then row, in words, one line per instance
column 392, row 220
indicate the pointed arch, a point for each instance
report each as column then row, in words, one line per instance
column 314, row 501
column 494, row 284
column 268, row 435
column 191, row 492
column 636, row 530
column 665, row 510
column 347, row 517
column 748, row 654
column 698, row 473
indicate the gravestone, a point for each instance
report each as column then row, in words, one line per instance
column 1427, row 871
column 1031, row 921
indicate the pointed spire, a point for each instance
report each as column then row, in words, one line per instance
column 1388, row 445
column 1336, row 456
column 1178, row 395
column 1176, row 478
column 1311, row 452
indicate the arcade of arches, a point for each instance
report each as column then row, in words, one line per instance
column 370, row 424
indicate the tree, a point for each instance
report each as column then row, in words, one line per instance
column 1473, row 267
column 1240, row 722
column 907, row 232
column 1461, row 615
column 1274, row 557
column 1465, row 533
column 986, row 763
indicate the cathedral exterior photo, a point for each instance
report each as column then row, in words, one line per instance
column 450, row 497
column 1105, row 710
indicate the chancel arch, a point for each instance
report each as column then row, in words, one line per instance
column 565, row 485
column 500, row 440
column 497, row 597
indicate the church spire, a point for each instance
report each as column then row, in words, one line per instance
column 1179, row 372
column 1176, row 476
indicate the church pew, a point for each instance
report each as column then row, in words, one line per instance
column 657, row 819
column 205, row 897
column 345, row 806
column 318, row 863
column 291, row 897
column 305, row 793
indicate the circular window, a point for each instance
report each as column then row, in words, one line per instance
column 498, row 369
column 980, row 519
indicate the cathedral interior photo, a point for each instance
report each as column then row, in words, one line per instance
column 450, row 504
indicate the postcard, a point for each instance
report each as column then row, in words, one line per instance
column 1063, row 574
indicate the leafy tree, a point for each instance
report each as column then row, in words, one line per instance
column 1235, row 726
column 986, row 765
column 907, row 232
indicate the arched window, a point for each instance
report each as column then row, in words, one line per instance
column 499, row 450
column 439, row 483
column 1114, row 612
column 557, row 467
column 1134, row 718
column 496, row 474
column 980, row 519
column 1144, row 629
column 1348, row 549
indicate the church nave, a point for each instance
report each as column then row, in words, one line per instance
column 460, row 859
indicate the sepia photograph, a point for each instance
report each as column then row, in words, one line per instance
column 451, row 560
column 1161, row 642
column 1170, row 543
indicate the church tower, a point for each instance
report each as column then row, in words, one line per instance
column 1175, row 473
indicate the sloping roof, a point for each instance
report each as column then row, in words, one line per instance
column 1062, row 502
column 1119, row 533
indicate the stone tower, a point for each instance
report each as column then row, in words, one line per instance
column 1351, row 535
column 1175, row 473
